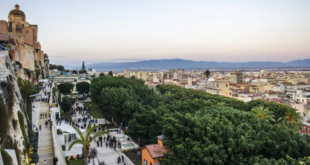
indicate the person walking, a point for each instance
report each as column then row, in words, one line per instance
column 123, row 158
column 46, row 124
column 45, row 162
column 98, row 143
column 106, row 144
column 40, row 127
column 55, row 160
column 114, row 147
column 118, row 159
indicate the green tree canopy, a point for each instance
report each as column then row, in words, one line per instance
column 66, row 104
column 110, row 73
column 83, row 87
column 222, row 135
column 59, row 67
column 101, row 74
column 65, row 88
column 74, row 72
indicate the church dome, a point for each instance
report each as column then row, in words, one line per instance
column 17, row 12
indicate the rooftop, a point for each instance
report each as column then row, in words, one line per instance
column 156, row 150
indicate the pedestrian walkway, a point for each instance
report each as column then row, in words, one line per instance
column 46, row 149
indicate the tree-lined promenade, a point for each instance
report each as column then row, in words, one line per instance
column 202, row 128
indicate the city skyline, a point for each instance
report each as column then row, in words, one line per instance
column 106, row 31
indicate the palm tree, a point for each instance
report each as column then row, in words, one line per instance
column 207, row 73
column 263, row 113
column 86, row 139
column 293, row 120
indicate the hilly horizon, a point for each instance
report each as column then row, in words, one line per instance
column 190, row 64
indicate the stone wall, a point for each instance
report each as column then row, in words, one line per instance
column 12, row 104
column 29, row 57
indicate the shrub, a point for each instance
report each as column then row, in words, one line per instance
column 28, row 72
column 63, row 147
column 3, row 122
column 59, row 132
column 34, row 157
column 18, row 63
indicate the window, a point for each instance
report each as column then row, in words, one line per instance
column 226, row 85
column 17, row 26
column 10, row 19
column 22, row 25
column 151, row 163
column 26, row 31
column 145, row 162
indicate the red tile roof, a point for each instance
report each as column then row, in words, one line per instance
column 156, row 150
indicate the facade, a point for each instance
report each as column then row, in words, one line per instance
column 22, row 40
column 151, row 154
column 218, row 87
column 236, row 77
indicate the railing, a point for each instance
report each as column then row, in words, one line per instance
column 58, row 152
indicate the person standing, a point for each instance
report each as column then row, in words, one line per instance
column 118, row 160
column 98, row 143
column 123, row 158
column 106, row 144
column 45, row 162
column 40, row 127
column 55, row 160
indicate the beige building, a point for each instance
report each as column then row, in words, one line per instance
column 143, row 75
column 219, row 87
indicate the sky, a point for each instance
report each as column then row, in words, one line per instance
column 94, row 31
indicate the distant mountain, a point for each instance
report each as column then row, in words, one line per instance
column 189, row 64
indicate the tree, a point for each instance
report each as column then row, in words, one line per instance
column 263, row 113
column 86, row 139
column 222, row 135
column 74, row 72
column 65, row 88
column 101, row 74
column 293, row 120
column 82, row 71
column 25, row 88
column 83, row 66
column 207, row 73
column 59, row 67
column 82, row 87
column 66, row 104
column 110, row 73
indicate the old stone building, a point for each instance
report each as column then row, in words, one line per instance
column 25, row 50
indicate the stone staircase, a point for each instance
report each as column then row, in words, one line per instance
column 46, row 148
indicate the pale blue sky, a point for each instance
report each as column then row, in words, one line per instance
column 121, row 30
